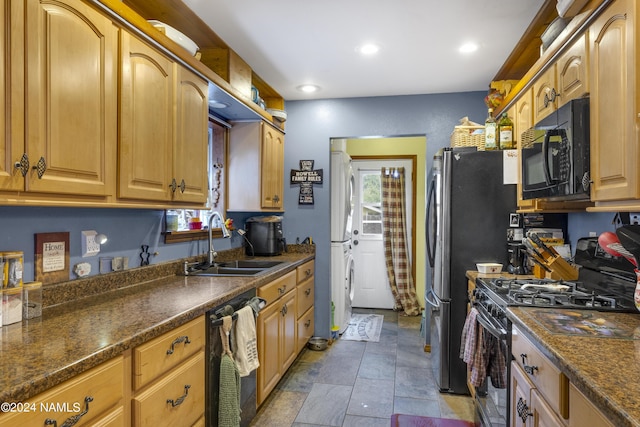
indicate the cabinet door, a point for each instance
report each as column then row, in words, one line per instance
column 289, row 323
column 614, row 149
column 543, row 89
column 190, row 151
column 573, row 69
column 520, row 411
column 71, row 112
column 146, row 122
column 543, row 415
column 584, row 413
column 523, row 121
column 268, row 331
column 12, row 91
column 272, row 185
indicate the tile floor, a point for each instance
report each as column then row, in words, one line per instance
column 362, row 383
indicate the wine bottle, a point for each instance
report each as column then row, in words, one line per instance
column 505, row 133
column 490, row 132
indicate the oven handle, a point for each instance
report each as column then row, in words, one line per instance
column 486, row 323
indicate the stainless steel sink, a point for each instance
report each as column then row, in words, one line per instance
column 227, row 271
column 250, row 263
column 235, row 268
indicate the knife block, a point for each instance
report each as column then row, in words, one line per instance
column 560, row 269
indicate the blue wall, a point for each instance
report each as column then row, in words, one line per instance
column 310, row 126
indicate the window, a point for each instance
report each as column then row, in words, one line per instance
column 371, row 203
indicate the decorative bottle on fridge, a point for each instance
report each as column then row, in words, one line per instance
column 505, row 133
column 490, row 132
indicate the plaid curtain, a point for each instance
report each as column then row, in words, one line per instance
column 394, row 236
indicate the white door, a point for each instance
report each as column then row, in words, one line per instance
column 371, row 284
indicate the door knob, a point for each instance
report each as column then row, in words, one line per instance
column 355, row 242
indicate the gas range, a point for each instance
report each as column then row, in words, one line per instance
column 509, row 291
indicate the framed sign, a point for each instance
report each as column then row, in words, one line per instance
column 51, row 260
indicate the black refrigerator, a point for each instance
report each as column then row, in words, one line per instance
column 468, row 207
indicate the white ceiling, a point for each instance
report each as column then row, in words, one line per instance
column 293, row 42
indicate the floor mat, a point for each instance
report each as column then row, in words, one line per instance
column 399, row 420
column 364, row 327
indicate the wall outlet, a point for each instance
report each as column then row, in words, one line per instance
column 89, row 245
column 634, row 218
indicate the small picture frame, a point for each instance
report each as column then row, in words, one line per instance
column 514, row 220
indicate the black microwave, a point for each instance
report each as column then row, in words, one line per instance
column 555, row 155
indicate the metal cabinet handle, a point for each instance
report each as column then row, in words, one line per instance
column 284, row 310
column 282, row 290
column 307, row 323
column 529, row 369
column 22, row 165
column 182, row 186
column 40, row 167
column 276, row 199
column 523, row 410
column 173, row 185
column 71, row 421
column 307, row 272
column 181, row 399
column 183, row 339
column 307, row 292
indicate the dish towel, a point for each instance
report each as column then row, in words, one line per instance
column 229, row 392
column 246, row 343
column 468, row 344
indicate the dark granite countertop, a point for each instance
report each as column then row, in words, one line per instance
column 72, row 337
column 598, row 351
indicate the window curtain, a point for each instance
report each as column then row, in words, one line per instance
column 394, row 236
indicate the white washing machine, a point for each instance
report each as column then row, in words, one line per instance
column 341, row 283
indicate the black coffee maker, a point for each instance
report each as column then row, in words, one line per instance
column 517, row 253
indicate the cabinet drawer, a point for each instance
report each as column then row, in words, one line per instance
column 305, row 328
column 274, row 290
column 104, row 384
column 184, row 386
column 113, row 419
column 305, row 271
column 305, row 292
column 549, row 381
column 152, row 359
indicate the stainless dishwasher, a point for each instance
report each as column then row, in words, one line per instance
column 214, row 357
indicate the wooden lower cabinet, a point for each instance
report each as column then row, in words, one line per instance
column 176, row 399
column 276, row 330
column 168, row 378
column 584, row 413
column 99, row 391
column 305, row 292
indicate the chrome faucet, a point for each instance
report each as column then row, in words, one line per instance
column 225, row 234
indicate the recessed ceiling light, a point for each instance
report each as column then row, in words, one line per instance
column 217, row 104
column 368, row 49
column 308, row 88
column 468, row 48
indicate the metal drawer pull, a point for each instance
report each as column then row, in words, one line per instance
column 282, row 290
column 307, row 323
column 308, row 272
column 40, row 167
column 181, row 399
column 183, row 339
column 528, row 368
column 71, row 421
column 23, row 165
column 307, row 292
column 523, row 410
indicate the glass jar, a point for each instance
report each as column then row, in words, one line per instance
column 11, row 305
column 32, row 300
column 12, row 269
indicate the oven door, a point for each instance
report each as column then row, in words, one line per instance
column 492, row 403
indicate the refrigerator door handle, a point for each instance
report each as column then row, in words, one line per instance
column 431, row 239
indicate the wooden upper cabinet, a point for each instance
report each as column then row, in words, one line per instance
column 614, row 148
column 272, row 192
column 573, row 71
column 190, row 151
column 255, row 175
column 71, row 99
column 523, row 120
column 544, row 89
column 146, row 121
